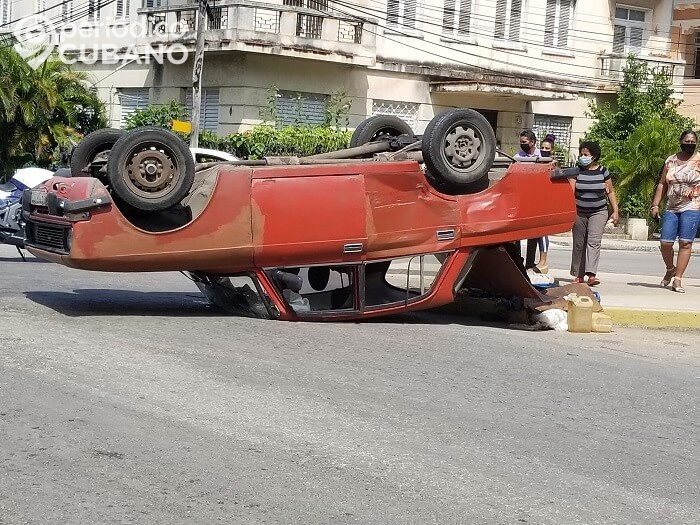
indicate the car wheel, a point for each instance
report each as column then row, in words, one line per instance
column 379, row 127
column 93, row 145
column 150, row 169
column 459, row 148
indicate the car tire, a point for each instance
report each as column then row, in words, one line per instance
column 150, row 169
column 91, row 146
column 459, row 148
column 377, row 128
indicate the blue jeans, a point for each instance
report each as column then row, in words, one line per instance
column 680, row 225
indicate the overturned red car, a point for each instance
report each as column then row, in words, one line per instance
column 303, row 238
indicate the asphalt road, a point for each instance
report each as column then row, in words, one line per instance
column 125, row 399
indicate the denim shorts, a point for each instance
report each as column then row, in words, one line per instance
column 680, row 225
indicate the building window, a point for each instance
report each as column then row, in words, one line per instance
column 696, row 67
column 208, row 109
column 5, row 12
column 132, row 99
column 401, row 13
column 40, row 6
column 629, row 30
column 558, row 22
column 560, row 127
column 152, row 3
column 121, row 8
column 300, row 108
column 456, row 17
column 93, row 12
column 508, row 16
column 309, row 26
column 404, row 110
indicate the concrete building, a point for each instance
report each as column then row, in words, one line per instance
column 686, row 39
column 522, row 63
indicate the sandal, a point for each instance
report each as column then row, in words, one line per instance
column 676, row 286
column 543, row 268
column 579, row 280
column 593, row 281
column 668, row 277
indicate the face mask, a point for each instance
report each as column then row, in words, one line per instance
column 525, row 147
column 544, row 153
column 585, row 160
column 688, row 148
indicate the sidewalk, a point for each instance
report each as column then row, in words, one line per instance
column 611, row 243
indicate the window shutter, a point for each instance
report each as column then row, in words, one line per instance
column 5, row 11
column 619, row 39
column 409, row 13
column 392, row 12
column 448, row 16
column 500, row 29
column 516, row 8
column 635, row 43
column 564, row 22
column 550, row 22
column 465, row 16
column 208, row 109
column 132, row 99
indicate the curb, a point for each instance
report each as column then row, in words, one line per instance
column 618, row 244
column 654, row 319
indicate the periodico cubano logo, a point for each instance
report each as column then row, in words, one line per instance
column 34, row 39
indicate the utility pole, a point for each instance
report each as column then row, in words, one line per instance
column 197, row 71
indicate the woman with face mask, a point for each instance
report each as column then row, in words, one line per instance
column 679, row 184
column 593, row 189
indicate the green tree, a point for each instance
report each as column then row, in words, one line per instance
column 638, row 132
column 42, row 110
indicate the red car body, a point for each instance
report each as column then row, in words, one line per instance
column 356, row 218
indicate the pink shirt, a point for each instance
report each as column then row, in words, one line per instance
column 682, row 176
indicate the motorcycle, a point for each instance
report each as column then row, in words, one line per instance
column 11, row 220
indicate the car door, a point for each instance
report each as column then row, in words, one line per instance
column 308, row 215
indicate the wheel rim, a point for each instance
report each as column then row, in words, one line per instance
column 384, row 134
column 151, row 171
column 463, row 147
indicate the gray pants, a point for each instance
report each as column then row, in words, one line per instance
column 587, row 234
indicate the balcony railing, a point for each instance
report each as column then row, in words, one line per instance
column 612, row 67
column 179, row 21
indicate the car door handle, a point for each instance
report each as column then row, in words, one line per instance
column 353, row 247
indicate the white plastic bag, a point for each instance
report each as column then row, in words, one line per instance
column 553, row 318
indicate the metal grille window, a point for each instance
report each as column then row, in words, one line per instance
column 406, row 111
column 121, row 8
column 456, row 17
column 628, row 35
column 267, row 20
column 309, row 26
column 300, row 108
column 401, row 13
column 5, row 11
column 508, row 16
column 557, row 22
column 560, row 127
column 132, row 99
column 208, row 108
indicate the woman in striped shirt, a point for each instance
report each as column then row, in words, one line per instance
column 593, row 189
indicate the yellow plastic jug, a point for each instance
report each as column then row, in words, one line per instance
column 579, row 316
column 601, row 322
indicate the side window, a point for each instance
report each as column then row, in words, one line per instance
column 402, row 280
column 317, row 288
column 300, row 108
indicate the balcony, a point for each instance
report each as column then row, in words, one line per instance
column 265, row 28
column 612, row 66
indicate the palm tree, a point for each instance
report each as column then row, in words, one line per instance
column 42, row 110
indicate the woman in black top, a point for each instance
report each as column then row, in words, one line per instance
column 593, row 189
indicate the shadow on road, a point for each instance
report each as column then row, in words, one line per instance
column 91, row 302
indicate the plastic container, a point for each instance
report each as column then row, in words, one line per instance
column 601, row 322
column 579, row 315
